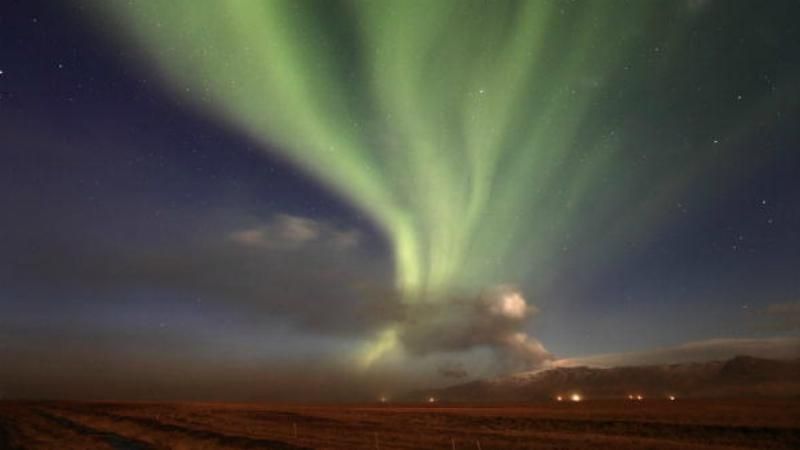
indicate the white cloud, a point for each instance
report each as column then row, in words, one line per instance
column 297, row 229
column 707, row 350
column 252, row 237
column 288, row 232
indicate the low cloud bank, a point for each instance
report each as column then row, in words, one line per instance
column 698, row 351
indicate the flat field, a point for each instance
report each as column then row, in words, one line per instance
column 649, row 424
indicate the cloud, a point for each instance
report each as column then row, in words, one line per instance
column 784, row 316
column 706, row 350
column 107, row 366
column 311, row 278
column 289, row 232
column 452, row 369
column 495, row 320
column 306, row 273
column 790, row 309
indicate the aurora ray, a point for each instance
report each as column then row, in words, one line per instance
column 460, row 127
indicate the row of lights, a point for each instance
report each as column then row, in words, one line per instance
column 577, row 397
column 574, row 397
column 384, row 399
column 640, row 397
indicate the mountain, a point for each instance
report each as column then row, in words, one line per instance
column 742, row 376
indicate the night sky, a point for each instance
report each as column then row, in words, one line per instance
column 309, row 200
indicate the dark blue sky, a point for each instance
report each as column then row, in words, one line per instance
column 118, row 204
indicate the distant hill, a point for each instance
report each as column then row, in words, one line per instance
column 742, row 376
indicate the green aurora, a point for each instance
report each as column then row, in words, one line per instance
column 489, row 141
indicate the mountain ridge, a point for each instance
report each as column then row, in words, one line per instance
column 740, row 376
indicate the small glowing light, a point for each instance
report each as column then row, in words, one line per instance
column 576, row 397
column 630, row 397
column 384, row 399
column 559, row 399
column 431, row 400
column 672, row 398
column 639, row 397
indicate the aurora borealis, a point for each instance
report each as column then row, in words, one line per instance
column 574, row 153
column 445, row 122
column 461, row 128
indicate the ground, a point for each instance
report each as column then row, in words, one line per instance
column 623, row 424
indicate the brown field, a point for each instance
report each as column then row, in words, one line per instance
column 683, row 424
